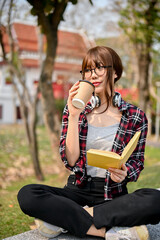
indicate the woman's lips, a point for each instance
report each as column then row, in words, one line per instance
column 96, row 84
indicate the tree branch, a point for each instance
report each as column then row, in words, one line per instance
column 1, row 10
column 58, row 13
column 1, row 31
column 153, row 94
column 9, row 31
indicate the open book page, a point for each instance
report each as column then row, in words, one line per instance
column 107, row 159
column 103, row 159
column 105, row 153
column 130, row 147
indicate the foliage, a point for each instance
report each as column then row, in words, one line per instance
column 27, row 102
column 49, row 15
column 150, row 175
column 123, row 47
column 141, row 21
column 50, row 9
column 156, row 65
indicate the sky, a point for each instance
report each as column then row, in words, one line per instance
column 97, row 21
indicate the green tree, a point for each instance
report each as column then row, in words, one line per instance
column 140, row 21
column 49, row 14
column 28, row 103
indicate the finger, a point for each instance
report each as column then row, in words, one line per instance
column 118, row 172
column 73, row 89
column 124, row 167
column 115, row 170
column 71, row 95
column 120, row 178
column 119, row 175
column 75, row 85
column 115, row 178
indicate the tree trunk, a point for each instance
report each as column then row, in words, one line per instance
column 34, row 155
column 49, row 23
column 144, row 61
column 48, row 102
column 30, row 128
column 33, row 145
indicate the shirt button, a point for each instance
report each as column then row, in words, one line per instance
column 89, row 179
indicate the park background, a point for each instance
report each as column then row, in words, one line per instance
column 29, row 146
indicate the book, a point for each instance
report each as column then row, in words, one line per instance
column 107, row 159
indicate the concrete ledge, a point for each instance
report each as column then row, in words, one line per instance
column 154, row 232
column 34, row 235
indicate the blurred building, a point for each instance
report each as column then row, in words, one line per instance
column 30, row 46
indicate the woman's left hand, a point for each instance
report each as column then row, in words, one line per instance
column 118, row 175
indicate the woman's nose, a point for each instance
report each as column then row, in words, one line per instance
column 94, row 74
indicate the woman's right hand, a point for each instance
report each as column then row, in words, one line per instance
column 73, row 111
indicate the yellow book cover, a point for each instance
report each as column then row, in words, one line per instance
column 107, row 159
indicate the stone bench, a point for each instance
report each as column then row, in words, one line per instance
column 154, row 232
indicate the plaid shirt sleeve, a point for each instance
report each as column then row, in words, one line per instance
column 62, row 148
column 79, row 167
column 135, row 163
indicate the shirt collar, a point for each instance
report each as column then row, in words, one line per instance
column 88, row 108
column 123, row 106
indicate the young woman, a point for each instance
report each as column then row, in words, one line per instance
column 110, row 126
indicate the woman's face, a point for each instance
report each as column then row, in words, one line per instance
column 98, row 82
column 97, row 75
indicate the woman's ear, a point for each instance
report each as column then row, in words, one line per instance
column 115, row 76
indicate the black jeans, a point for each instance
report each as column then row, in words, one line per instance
column 63, row 207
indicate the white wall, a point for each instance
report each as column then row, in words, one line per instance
column 7, row 95
column 32, row 74
column 8, row 98
column 7, row 111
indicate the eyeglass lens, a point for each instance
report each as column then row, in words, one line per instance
column 98, row 70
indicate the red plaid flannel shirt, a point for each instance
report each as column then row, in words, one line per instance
column 133, row 119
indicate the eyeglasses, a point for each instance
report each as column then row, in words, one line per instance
column 99, row 71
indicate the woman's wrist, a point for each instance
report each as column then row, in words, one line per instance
column 73, row 117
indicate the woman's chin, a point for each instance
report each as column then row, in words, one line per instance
column 99, row 90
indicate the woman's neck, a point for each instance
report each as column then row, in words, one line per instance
column 101, row 117
column 103, row 99
column 102, row 108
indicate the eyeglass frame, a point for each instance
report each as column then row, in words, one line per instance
column 82, row 72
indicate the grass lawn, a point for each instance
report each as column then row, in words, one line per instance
column 13, row 220
column 16, row 171
column 150, row 176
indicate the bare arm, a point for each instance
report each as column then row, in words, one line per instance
column 72, row 139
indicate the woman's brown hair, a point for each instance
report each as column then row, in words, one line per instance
column 105, row 56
